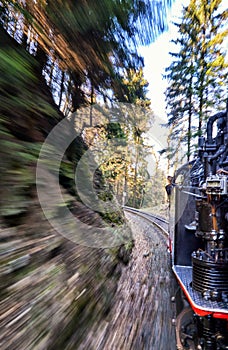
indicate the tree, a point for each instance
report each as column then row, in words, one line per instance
column 84, row 49
column 137, row 117
column 197, row 76
column 211, row 69
column 86, row 40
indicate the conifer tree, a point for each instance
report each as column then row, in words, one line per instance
column 198, row 74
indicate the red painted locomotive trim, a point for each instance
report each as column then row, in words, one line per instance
column 220, row 315
column 196, row 309
column 170, row 245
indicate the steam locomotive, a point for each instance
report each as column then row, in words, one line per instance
column 199, row 242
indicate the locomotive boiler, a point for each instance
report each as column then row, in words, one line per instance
column 199, row 242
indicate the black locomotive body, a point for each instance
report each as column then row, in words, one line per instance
column 199, row 242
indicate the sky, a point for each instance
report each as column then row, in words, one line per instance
column 157, row 58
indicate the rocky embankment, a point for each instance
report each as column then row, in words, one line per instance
column 58, row 295
column 52, row 291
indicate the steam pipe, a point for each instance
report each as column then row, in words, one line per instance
column 210, row 123
column 221, row 150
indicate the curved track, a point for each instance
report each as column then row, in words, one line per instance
column 158, row 221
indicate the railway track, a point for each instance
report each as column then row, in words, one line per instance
column 156, row 220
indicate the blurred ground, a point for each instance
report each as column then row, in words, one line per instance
column 141, row 313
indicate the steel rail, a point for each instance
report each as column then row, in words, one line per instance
column 151, row 218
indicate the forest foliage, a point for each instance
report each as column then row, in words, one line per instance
column 58, row 57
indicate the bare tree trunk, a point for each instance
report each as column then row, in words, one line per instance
column 135, row 176
column 61, row 89
column 91, row 106
column 51, row 73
